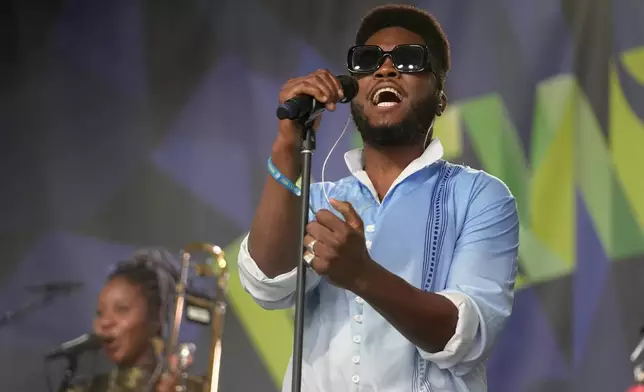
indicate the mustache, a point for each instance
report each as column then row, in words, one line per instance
column 414, row 126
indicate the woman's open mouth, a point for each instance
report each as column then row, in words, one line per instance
column 110, row 344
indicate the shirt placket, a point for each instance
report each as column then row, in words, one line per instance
column 357, row 330
column 357, row 323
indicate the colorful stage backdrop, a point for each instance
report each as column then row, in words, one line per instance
column 126, row 123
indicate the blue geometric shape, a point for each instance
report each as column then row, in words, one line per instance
column 214, row 143
column 106, row 39
column 548, row 52
column 604, row 364
column 477, row 67
column 83, row 106
column 589, row 279
column 632, row 90
column 210, row 148
column 527, row 350
column 627, row 25
column 60, row 256
column 600, row 353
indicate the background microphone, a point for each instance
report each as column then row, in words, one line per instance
column 86, row 342
column 304, row 106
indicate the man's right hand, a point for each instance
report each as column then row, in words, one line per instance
column 273, row 238
column 321, row 85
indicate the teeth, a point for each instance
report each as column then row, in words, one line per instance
column 387, row 104
column 376, row 96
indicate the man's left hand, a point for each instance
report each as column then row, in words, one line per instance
column 336, row 248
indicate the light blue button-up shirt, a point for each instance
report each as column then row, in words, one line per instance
column 443, row 228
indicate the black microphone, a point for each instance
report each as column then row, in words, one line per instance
column 86, row 342
column 304, row 106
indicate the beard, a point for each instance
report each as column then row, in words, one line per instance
column 408, row 132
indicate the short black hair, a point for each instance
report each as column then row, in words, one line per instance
column 415, row 20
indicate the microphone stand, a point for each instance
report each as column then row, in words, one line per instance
column 26, row 308
column 70, row 371
column 306, row 149
column 48, row 291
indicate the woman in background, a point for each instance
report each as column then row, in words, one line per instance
column 133, row 309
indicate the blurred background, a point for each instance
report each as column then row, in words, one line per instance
column 128, row 123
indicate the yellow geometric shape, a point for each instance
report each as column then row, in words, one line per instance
column 520, row 283
column 551, row 98
column 633, row 61
column 448, row 129
column 553, row 192
column 627, row 146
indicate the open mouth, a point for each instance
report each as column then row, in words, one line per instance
column 386, row 97
column 110, row 343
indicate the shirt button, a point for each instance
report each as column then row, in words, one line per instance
column 358, row 318
column 368, row 243
column 357, row 339
column 359, row 300
column 370, row 228
column 355, row 379
column 356, row 359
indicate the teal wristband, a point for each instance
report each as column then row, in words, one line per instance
column 279, row 177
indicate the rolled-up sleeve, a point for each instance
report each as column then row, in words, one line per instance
column 270, row 293
column 481, row 276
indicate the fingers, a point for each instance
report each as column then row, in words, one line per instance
column 167, row 382
column 308, row 86
column 171, row 377
column 337, row 85
column 350, row 215
column 313, row 261
column 316, row 123
column 321, row 233
column 173, row 362
column 318, row 263
column 323, row 247
column 329, row 88
column 329, row 220
column 321, row 85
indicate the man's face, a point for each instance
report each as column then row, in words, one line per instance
column 405, row 121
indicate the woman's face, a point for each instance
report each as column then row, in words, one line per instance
column 122, row 318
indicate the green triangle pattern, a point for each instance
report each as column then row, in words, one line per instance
column 498, row 146
column 602, row 192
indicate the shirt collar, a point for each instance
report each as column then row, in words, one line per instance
column 355, row 164
column 432, row 153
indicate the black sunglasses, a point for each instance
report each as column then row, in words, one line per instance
column 365, row 59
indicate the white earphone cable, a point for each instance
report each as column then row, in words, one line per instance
column 326, row 195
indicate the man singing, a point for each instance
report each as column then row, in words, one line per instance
column 413, row 261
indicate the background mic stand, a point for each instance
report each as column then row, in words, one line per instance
column 47, row 293
column 70, row 371
column 26, row 308
column 306, row 149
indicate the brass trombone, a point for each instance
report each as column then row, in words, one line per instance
column 200, row 308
